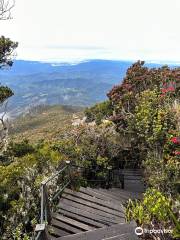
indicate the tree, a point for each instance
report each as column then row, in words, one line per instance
column 7, row 48
column 5, row 9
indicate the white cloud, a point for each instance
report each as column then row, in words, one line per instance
column 78, row 29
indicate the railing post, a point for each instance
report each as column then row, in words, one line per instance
column 68, row 169
column 121, row 178
column 47, row 206
column 42, row 232
column 109, row 176
column 42, row 203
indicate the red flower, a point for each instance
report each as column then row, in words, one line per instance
column 163, row 90
column 177, row 153
column 171, row 89
column 175, row 140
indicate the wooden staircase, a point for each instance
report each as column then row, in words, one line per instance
column 92, row 214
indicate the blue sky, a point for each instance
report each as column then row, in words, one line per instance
column 73, row 30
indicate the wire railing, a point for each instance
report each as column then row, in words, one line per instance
column 48, row 198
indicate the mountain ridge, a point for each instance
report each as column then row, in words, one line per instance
column 83, row 84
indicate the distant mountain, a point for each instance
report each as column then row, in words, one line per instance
column 83, row 84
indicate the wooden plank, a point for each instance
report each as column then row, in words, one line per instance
column 94, row 216
column 125, row 194
column 126, row 236
column 113, row 196
column 82, row 219
column 98, row 201
column 65, row 226
column 103, row 233
column 106, row 194
column 105, row 216
column 91, row 192
column 57, row 231
column 73, row 222
column 93, row 205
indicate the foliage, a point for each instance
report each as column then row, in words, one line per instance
column 146, row 112
column 99, row 112
column 155, row 210
column 140, row 122
column 93, row 148
column 5, row 93
column 7, row 48
column 20, row 183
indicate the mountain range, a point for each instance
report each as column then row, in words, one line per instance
column 39, row 83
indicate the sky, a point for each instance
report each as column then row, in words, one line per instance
column 73, row 30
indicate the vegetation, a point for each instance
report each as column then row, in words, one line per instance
column 44, row 122
column 137, row 126
column 99, row 112
column 7, row 48
column 146, row 111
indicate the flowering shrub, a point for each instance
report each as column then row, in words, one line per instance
column 168, row 87
column 147, row 111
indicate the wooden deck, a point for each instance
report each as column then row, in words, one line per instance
column 93, row 214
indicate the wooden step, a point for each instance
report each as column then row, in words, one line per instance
column 99, row 195
column 73, row 208
column 72, row 222
column 125, row 193
column 107, row 210
column 54, row 231
column 65, row 227
column 94, row 199
column 104, row 233
column 82, row 219
column 106, row 216
column 93, row 214
column 122, row 197
column 126, row 236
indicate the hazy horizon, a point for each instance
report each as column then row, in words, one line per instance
column 67, row 30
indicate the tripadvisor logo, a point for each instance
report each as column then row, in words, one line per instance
column 139, row 231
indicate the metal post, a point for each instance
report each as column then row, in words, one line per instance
column 109, row 177
column 42, row 204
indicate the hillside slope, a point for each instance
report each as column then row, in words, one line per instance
column 44, row 122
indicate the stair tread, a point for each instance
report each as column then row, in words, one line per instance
column 65, row 226
column 107, row 210
column 94, row 199
column 93, row 214
column 72, row 222
column 103, row 233
column 83, row 219
column 126, row 236
column 104, row 216
column 72, row 207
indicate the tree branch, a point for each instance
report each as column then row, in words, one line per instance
column 5, row 9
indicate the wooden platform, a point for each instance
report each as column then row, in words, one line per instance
column 92, row 214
